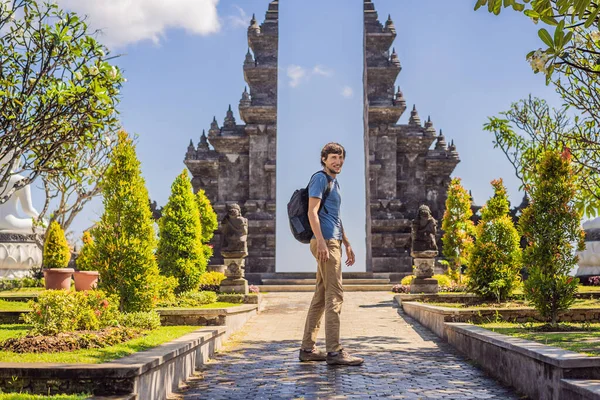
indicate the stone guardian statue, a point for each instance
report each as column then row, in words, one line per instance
column 234, row 249
column 423, row 250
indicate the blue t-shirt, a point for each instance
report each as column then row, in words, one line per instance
column 329, row 216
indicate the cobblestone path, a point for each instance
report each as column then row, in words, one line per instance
column 403, row 360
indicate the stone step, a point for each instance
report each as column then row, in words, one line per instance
column 311, row 288
column 278, row 282
column 580, row 389
column 312, row 275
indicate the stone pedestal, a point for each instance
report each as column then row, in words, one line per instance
column 424, row 264
column 234, row 281
column 18, row 254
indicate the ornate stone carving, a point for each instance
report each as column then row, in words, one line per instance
column 18, row 257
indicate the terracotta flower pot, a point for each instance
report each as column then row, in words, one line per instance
column 58, row 278
column 85, row 280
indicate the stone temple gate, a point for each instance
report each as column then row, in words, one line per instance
column 236, row 162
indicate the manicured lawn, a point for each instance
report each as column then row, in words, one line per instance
column 586, row 341
column 218, row 304
column 92, row 356
column 19, row 396
column 588, row 289
column 13, row 305
column 579, row 303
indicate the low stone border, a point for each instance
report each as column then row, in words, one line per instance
column 581, row 389
column 434, row 316
column 532, row 368
column 12, row 317
column 448, row 298
column 233, row 317
column 234, row 298
column 18, row 297
column 151, row 374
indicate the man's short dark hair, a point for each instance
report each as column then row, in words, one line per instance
column 332, row 148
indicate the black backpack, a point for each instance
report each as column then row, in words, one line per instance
column 298, row 211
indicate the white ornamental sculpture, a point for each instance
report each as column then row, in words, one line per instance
column 18, row 250
column 589, row 259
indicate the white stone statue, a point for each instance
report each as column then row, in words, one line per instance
column 10, row 220
column 589, row 258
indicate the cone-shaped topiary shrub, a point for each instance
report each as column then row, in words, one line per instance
column 56, row 249
column 495, row 261
column 180, row 251
column 124, row 238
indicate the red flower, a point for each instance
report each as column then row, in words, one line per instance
column 98, row 312
column 38, row 312
column 104, row 303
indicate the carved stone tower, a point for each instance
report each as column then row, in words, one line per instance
column 401, row 170
column 240, row 166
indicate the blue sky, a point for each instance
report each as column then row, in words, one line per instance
column 183, row 64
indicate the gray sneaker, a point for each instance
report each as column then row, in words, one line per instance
column 343, row 358
column 314, row 355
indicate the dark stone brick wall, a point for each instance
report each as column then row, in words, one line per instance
column 235, row 163
column 403, row 171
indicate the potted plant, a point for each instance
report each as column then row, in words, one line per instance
column 86, row 275
column 55, row 259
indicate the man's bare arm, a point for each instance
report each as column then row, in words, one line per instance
column 315, row 224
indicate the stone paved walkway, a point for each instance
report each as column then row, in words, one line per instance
column 403, row 360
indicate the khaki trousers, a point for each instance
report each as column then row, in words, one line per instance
column 328, row 299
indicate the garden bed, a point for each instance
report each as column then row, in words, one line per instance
column 434, row 317
column 150, row 374
column 90, row 356
column 585, row 338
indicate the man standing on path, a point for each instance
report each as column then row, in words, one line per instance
column 326, row 247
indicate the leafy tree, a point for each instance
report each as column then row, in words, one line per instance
column 208, row 221
column 528, row 130
column 58, row 92
column 570, row 59
column 458, row 227
column 67, row 193
column 180, row 252
column 495, row 259
column 124, row 237
column 56, row 249
column 551, row 226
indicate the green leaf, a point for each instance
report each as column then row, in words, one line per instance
column 532, row 13
column 592, row 17
column 546, row 38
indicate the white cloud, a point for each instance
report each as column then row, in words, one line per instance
column 296, row 74
column 347, row 92
column 239, row 21
column 126, row 22
column 321, row 70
